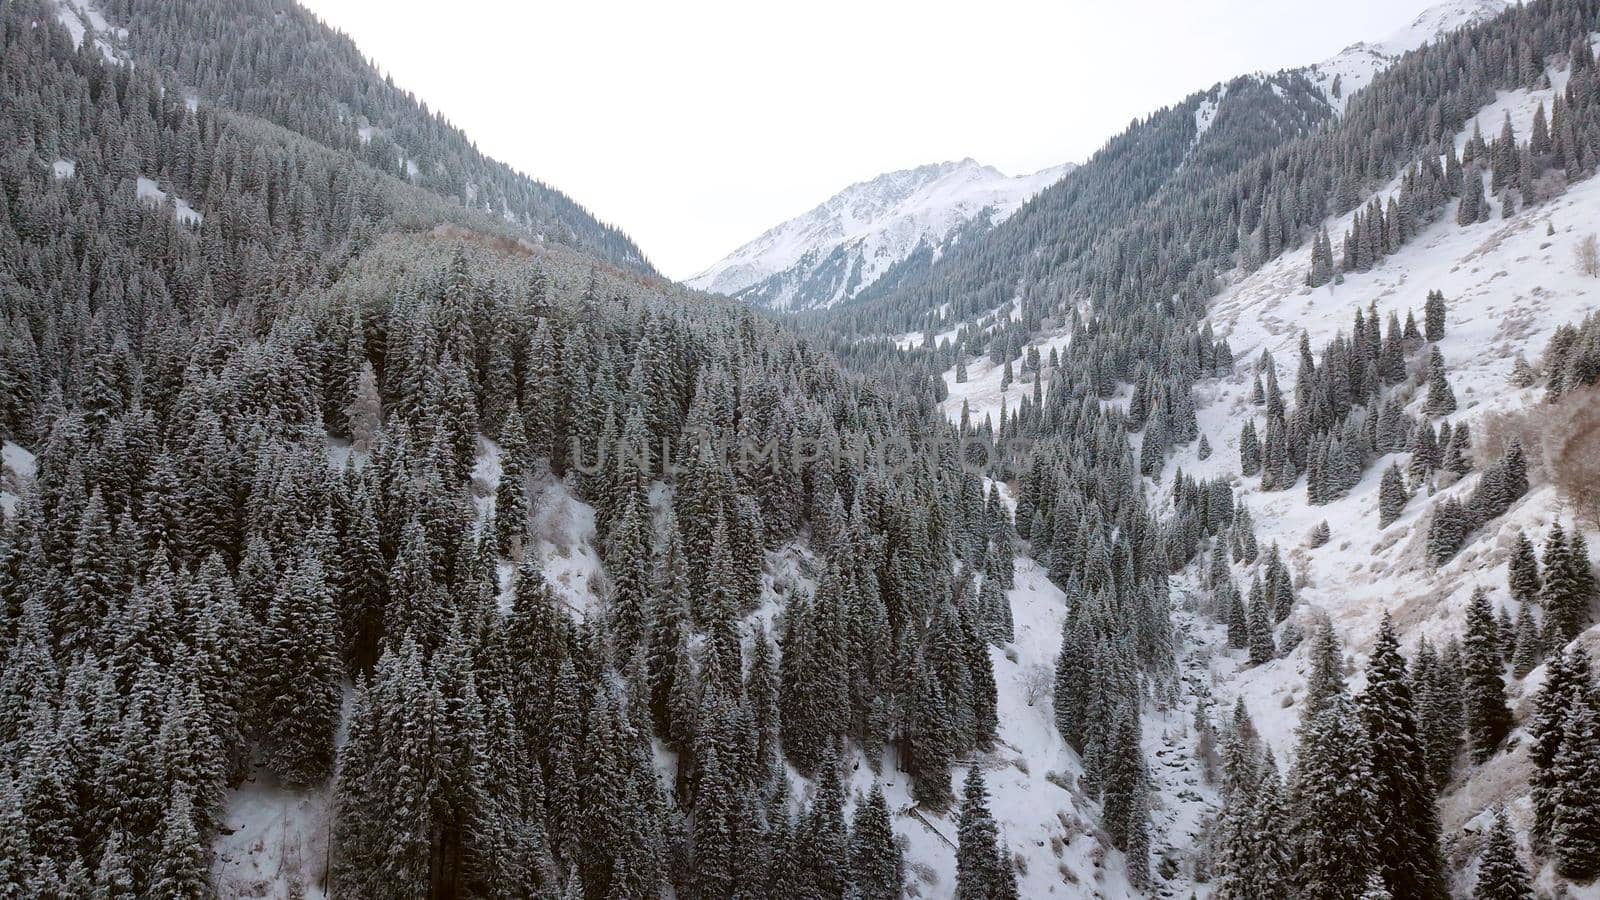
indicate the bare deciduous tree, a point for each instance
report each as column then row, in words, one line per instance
column 1572, row 451
column 1588, row 256
column 1037, row 681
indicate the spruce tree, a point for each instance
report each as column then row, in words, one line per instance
column 1575, row 824
column 1441, row 398
column 877, row 870
column 1262, row 647
column 1335, row 802
column 1523, row 577
column 1565, row 594
column 1391, row 496
column 1407, row 847
column 1433, row 316
column 182, row 870
column 982, row 870
column 511, row 495
column 1126, row 795
column 299, row 677
column 1488, row 716
column 1501, row 873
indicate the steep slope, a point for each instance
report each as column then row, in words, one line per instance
column 1509, row 284
column 273, row 60
column 835, row 251
column 1145, row 180
column 1353, row 68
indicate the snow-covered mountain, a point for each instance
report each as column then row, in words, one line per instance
column 1510, row 283
column 836, row 250
column 1353, row 68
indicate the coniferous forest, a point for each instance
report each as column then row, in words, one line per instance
column 347, row 466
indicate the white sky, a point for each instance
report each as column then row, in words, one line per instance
column 695, row 126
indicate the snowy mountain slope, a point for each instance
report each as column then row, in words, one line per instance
column 836, row 250
column 1509, row 284
column 80, row 16
column 1353, row 68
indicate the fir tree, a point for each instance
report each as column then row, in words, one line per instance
column 1488, row 716
column 982, row 870
column 1408, row 832
column 1501, row 873
column 876, row 867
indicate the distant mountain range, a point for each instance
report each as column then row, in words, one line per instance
column 836, row 250
column 909, row 218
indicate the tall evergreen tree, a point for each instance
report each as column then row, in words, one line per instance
column 1408, row 832
column 1488, row 716
column 1501, row 873
column 876, row 867
column 982, row 870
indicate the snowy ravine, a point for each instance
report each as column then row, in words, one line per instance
column 1508, row 284
column 274, row 840
column 836, row 250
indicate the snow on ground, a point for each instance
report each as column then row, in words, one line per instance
column 981, row 391
column 273, row 842
column 876, row 223
column 564, row 542
column 63, row 168
column 562, row 535
column 1508, row 285
column 1206, row 113
column 1047, row 823
column 149, row 192
column 79, row 16
column 1355, row 66
column 17, row 468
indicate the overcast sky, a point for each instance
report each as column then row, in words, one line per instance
column 694, row 126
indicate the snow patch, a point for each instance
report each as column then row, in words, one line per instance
column 78, row 16
column 1205, row 115
column 982, row 392
column 1508, row 284
column 182, row 212
column 273, row 842
column 17, row 470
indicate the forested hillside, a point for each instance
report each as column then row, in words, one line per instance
column 1443, row 195
column 272, row 467
column 356, row 542
column 272, row 60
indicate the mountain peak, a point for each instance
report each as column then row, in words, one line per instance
column 1353, row 68
column 836, row 249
